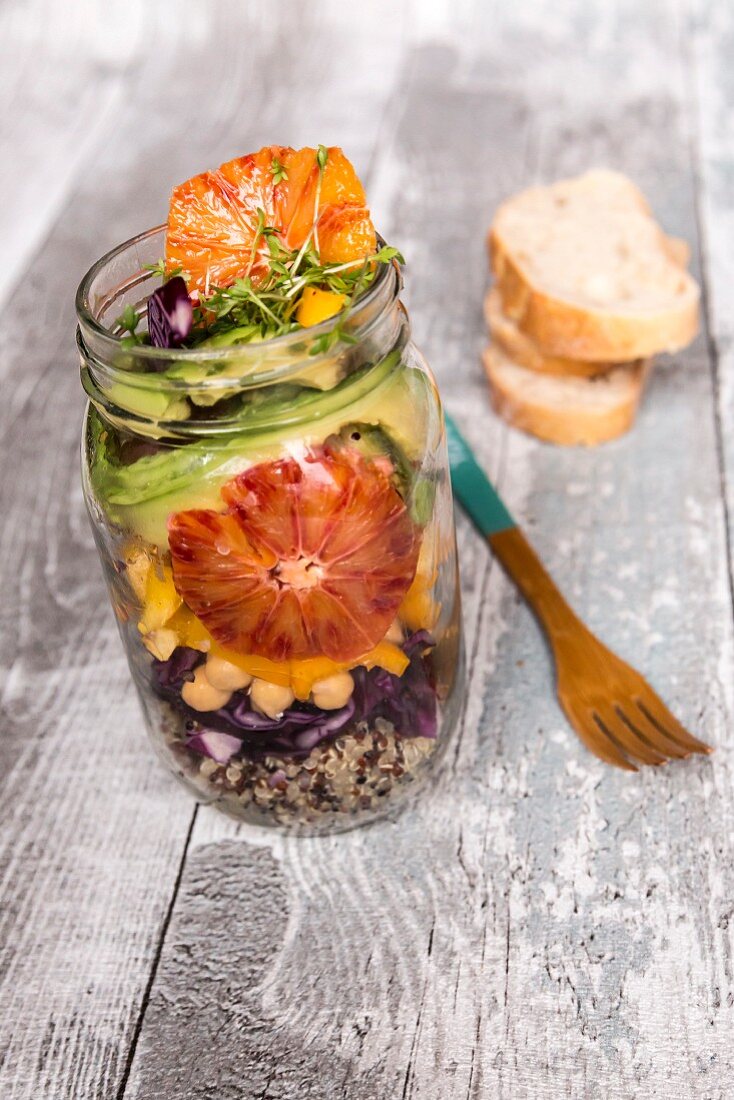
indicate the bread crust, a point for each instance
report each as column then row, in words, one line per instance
column 564, row 421
column 678, row 250
column 521, row 349
column 562, row 328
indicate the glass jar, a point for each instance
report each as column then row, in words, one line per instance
column 276, row 531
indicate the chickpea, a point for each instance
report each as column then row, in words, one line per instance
column 224, row 675
column 201, row 695
column 333, row 692
column 270, row 699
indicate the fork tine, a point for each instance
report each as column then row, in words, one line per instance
column 652, row 733
column 594, row 738
column 612, row 738
column 655, row 709
column 628, row 734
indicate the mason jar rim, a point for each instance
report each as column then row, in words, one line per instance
column 102, row 338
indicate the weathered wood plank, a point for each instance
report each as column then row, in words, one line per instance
column 92, row 831
column 540, row 925
column 63, row 78
column 710, row 43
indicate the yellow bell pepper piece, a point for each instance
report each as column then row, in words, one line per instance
column 161, row 599
column 307, row 672
column 298, row 675
column 301, row 675
column 318, row 305
column 161, row 643
column 388, row 656
column 190, row 630
column 419, row 610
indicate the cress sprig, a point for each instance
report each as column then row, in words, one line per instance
column 268, row 307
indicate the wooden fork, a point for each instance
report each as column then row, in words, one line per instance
column 613, row 709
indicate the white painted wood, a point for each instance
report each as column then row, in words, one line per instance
column 63, row 79
column 540, row 925
column 710, row 43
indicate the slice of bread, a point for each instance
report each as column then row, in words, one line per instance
column 521, row 349
column 570, row 411
column 586, row 273
column 678, row 250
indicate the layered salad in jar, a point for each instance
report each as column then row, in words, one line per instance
column 266, row 481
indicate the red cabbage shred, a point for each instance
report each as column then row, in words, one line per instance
column 170, row 314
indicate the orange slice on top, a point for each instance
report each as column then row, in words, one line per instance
column 312, row 557
column 213, row 217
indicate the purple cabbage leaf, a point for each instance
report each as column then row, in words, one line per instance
column 170, row 314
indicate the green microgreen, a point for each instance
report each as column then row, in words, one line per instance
column 267, row 308
column 126, row 325
column 259, row 230
column 128, row 320
column 322, row 156
column 162, row 271
column 335, row 335
column 279, row 171
column 388, row 253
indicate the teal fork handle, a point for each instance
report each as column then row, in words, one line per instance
column 482, row 502
column 472, row 488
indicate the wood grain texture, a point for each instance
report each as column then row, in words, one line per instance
column 709, row 47
column 540, row 925
column 64, row 75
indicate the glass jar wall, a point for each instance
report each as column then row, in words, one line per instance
column 276, row 530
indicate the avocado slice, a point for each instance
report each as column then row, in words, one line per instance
column 323, row 374
column 372, row 441
column 394, row 413
column 148, row 402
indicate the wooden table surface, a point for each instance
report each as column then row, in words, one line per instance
column 541, row 925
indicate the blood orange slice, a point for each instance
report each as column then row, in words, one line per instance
column 213, row 217
column 312, row 557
